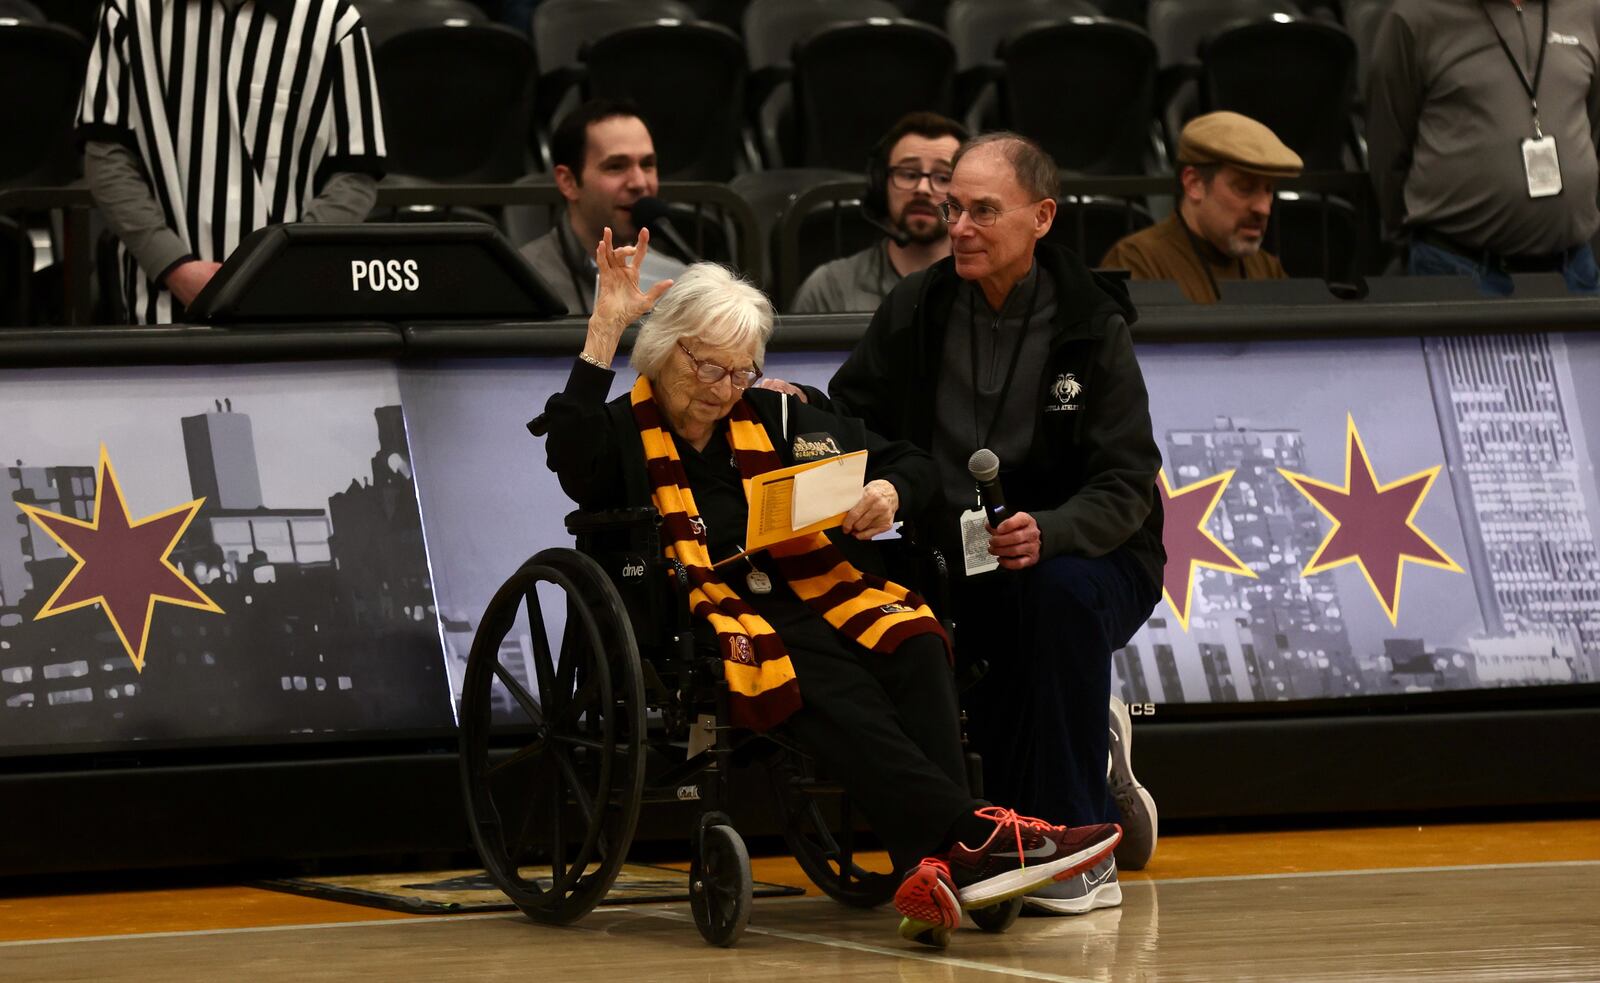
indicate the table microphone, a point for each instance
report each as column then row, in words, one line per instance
column 984, row 467
column 654, row 214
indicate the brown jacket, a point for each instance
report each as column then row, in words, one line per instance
column 1165, row 251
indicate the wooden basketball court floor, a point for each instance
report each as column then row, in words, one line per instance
column 1492, row 902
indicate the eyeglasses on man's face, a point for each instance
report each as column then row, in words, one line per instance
column 981, row 215
column 710, row 372
column 907, row 179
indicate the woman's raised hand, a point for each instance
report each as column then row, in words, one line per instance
column 618, row 301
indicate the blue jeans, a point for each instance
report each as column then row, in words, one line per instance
column 1039, row 715
column 1429, row 260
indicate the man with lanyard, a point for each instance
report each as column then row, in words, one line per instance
column 1015, row 346
column 1481, row 125
column 1228, row 166
column 907, row 176
column 604, row 161
column 205, row 120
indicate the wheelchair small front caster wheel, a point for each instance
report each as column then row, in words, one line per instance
column 998, row 917
column 720, row 888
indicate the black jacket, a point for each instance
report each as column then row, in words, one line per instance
column 1090, row 475
column 595, row 449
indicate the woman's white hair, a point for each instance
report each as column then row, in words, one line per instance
column 710, row 304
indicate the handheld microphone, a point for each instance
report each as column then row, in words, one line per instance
column 654, row 214
column 984, row 467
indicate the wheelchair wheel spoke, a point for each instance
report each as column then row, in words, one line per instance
column 558, row 856
column 529, row 753
column 524, row 699
column 579, row 793
column 582, row 701
column 542, row 661
column 572, row 740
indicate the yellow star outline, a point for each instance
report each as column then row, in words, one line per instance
column 1215, row 485
column 1354, row 446
column 108, row 477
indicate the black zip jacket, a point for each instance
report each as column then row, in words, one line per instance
column 1089, row 478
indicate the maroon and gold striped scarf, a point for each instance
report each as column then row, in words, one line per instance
column 761, row 682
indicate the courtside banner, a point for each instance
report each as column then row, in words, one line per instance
column 216, row 554
column 211, row 554
column 1343, row 518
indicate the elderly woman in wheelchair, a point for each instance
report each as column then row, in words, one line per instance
column 854, row 667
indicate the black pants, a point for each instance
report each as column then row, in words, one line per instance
column 1038, row 717
column 886, row 727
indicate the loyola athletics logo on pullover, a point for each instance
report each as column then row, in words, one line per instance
column 1065, row 391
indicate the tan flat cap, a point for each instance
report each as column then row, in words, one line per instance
column 1229, row 138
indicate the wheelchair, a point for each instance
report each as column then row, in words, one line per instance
column 562, row 746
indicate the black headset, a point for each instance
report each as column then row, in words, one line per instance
column 875, row 203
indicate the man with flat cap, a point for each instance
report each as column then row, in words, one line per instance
column 1228, row 165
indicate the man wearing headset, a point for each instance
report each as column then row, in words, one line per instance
column 907, row 176
column 604, row 161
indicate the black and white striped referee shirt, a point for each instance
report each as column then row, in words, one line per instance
column 238, row 110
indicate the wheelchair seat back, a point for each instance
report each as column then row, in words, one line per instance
column 627, row 545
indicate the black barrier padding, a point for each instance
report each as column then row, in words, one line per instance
column 457, row 271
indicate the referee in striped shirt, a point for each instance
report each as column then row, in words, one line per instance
column 205, row 120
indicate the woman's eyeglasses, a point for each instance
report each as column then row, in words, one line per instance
column 710, row 372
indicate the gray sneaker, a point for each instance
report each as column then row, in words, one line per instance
column 1138, row 808
column 1079, row 894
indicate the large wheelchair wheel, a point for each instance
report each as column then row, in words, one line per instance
column 819, row 829
column 552, row 738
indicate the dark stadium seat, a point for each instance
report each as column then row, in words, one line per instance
column 82, row 16
column 1112, row 65
column 773, row 27
column 561, row 28
column 1090, row 225
column 688, row 81
column 728, row 13
column 41, row 74
column 384, row 20
column 771, row 30
column 976, row 27
column 853, row 81
column 826, row 232
column 1178, row 26
column 16, row 270
column 1297, row 76
column 1132, row 11
column 1299, row 227
column 456, row 102
column 21, row 10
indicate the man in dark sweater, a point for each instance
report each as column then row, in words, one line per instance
column 1017, row 347
column 1481, row 126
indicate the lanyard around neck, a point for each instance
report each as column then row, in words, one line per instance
column 1530, row 87
column 979, row 434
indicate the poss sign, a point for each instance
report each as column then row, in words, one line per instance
column 392, row 272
